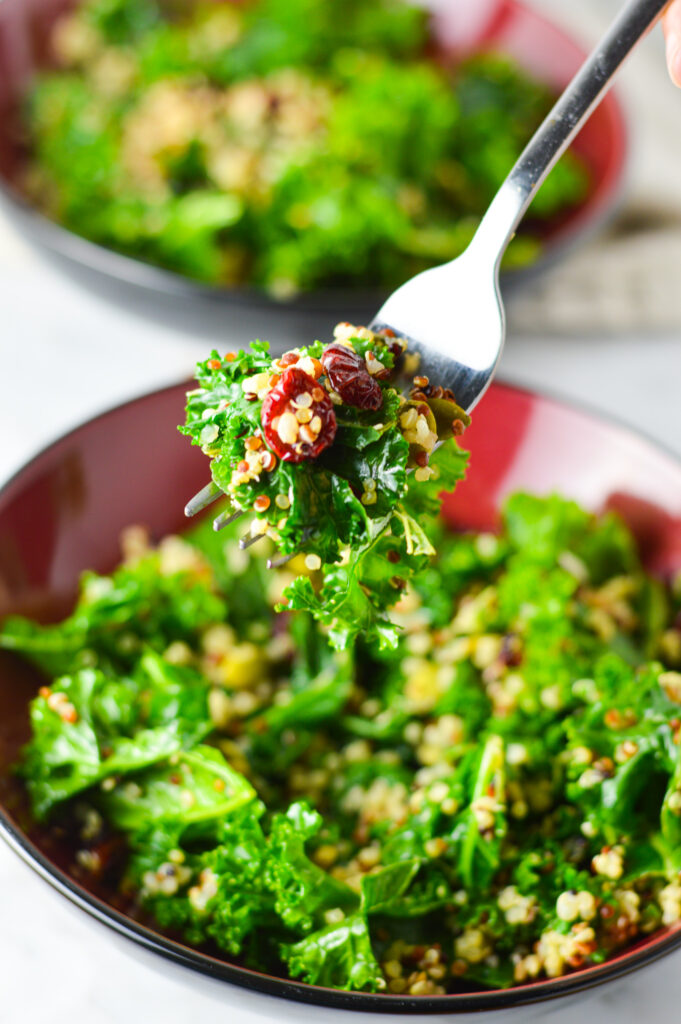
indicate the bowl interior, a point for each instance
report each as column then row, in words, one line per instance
column 460, row 27
column 64, row 512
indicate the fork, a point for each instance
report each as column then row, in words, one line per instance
column 453, row 315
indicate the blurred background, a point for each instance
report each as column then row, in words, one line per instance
column 601, row 326
column 611, row 305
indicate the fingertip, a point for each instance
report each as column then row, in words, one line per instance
column 673, row 49
column 675, row 69
column 674, row 57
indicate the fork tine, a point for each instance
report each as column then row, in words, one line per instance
column 248, row 541
column 225, row 518
column 277, row 563
column 202, row 499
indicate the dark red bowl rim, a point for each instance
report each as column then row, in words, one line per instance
column 648, row 952
column 585, row 220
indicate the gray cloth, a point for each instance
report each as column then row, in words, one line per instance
column 628, row 278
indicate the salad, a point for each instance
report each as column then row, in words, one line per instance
column 277, row 144
column 334, row 464
column 493, row 799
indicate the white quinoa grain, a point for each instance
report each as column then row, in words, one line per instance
column 487, row 545
column 438, row 792
column 517, row 909
column 258, row 382
column 334, row 916
column 674, row 802
column 369, row 856
column 669, row 899
column 609, row 862
column 358, row 750
column 219, row 707
column 573, row 565
column 590, row 778
column 472, row 946
column 413, row 732
column 567, row 907
column 551, row 698
column 516, row 754
column 178, row 653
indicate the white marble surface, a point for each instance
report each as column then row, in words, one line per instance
column 65, row 353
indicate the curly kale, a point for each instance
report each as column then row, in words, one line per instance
column 496, row 797
column 361, row 509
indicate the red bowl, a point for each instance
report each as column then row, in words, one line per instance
column 65, row 510
column 460, row 27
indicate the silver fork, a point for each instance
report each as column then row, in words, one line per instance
column 453, row 315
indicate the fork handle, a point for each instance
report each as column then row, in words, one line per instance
column 561, row 125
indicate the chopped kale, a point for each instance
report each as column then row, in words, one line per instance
column 335, row 464
column 493, row 797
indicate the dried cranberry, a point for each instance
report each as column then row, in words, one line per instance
column 283, row 411
column 350, row 378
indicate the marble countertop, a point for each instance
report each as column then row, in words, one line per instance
column 66, row 352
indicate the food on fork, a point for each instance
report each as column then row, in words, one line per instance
column 321, row 452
